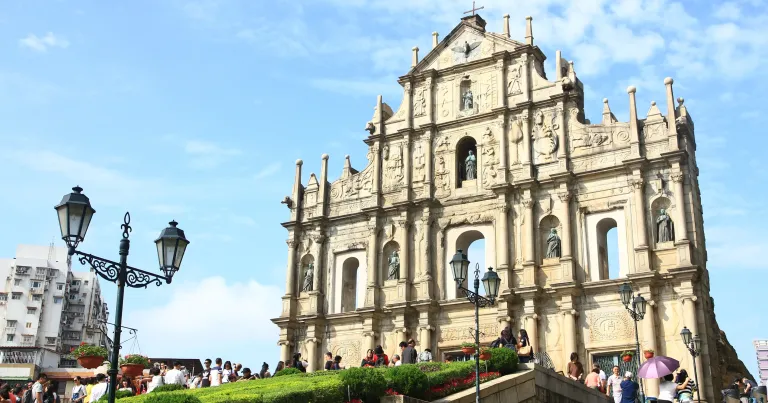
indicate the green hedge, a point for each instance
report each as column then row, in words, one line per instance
column 288, row 371
column 367, row 384
column 168, row 388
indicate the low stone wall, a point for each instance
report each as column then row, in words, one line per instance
column 531, row 384
column 399, row 399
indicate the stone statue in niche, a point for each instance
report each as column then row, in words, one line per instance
column 470, row 166
column 553, row 244
column 309, row 276
column 467, row 100
column 665, row 227
column 394, row 267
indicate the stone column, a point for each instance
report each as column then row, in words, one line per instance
column 641, row 235
column 408, row 104
column 690, row 321
column 525, row 158
column 317, row 252
column 569, row 334
column 430, row 102
column 369, row 342
column 671, row 115
column 402, row 334
column 426, row 273
column 312, row 346
column 503, row 150
column 285, row 351
column 295, row 194
column 501, row 99
column 532, row 327
column 502, row 236
column 440, row 262
column 407, row 162
column 566, row 259
column 504, row 322
column 528, row 231
column 680, row 223
column 290, row 281
column 649, row 343
column 428, row 175
column 425, row 337
column 372, row 255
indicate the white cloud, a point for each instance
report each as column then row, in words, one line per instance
column 207, row 154
column 42, row 44
column 727, row 11
column 213, row 318
column 268, row 171
column 731, row 247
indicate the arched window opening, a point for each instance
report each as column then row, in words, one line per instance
column 608, row 248
column 466, row 160
column 391, row 263
column 307, row 272
column 349, row 284
column 473, row 244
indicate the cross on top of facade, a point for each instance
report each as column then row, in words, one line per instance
column 474, row 9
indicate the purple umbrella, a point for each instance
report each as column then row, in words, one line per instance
column 657, row 367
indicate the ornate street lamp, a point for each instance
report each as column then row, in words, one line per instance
column 491, row 283
column 693, row 344
column 75, row 214
column 637, row 313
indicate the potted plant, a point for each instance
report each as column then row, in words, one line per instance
column 468, row 348
column 89, row 356
column 648, row 354
column 485, row 353
column 627, row 356
column 133, row 365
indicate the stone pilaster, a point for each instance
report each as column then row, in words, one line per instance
column 566, row 240
column 318, row 289
column 428, row 168
column 407, row 163
column 634, row 132
column 430, row 102
column 691, row 322
column 312, row 344
column 425, row 237
column 525, row 157
column 502, row 236
column 501, row 81
column 569, row 334
column 425, row 337
column 408, row 104
column 642, row 262
column 373, row 286
column 671, row 116
column 562, row 148
column 285, row 350
column 525, row 78
column 649, row 343
column 682, row 243
column 529, row 263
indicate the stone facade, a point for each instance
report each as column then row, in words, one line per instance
column 539, row 165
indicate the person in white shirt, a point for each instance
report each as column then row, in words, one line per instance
column 157, row 379
column 175, row 376
column 100, row 389
column 395, row 362
column 38, row 389
column 78, row 391
column 613, row 386
column 216, row 374
column 603, row 378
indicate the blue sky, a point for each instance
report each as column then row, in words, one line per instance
column 197, row 110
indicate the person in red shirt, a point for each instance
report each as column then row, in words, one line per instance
column 380, row 358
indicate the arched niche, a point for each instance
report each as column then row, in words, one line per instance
column 598, row 249
column 389, row 248
column 464, row 147
column 462, row 238
column 349, row 281
column 658, row 204
column 306, row 260
column 546, row 224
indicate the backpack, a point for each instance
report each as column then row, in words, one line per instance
column 28, row 397
column 496, row 343
column 380, row 361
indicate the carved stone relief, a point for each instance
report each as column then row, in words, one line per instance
column 609, row 326
column 489, row 93
column 514, row 84
column 442, row 177
column 419, row 160
column 349, row 349
column 488, row 331
column 515, row 138
column 393, row 166
column 490, row 160
column 420, row 102
column 446, row 99
column 545, row 135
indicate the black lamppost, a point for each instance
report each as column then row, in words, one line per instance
column 491, row 283
column 693, row 344
column 75, row 214
column 637, row 312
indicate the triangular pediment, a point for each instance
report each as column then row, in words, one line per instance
column 467, row 42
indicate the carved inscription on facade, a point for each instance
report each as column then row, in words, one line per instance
column 349, row 349
column 609, row 326
column 488, row 332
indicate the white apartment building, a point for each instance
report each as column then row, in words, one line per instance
column 45, row 305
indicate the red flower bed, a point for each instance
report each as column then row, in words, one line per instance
column 457, row 385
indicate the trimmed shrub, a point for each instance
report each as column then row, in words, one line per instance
column 503, row 360
column 408, row 380
column 449, row 372
column 119, row 394
column 288, row 371
column 168, row 388
column 172, row 398
column 367, row 384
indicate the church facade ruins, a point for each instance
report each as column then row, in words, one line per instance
column 485, row 146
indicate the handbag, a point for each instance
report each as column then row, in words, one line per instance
column 524, row 350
